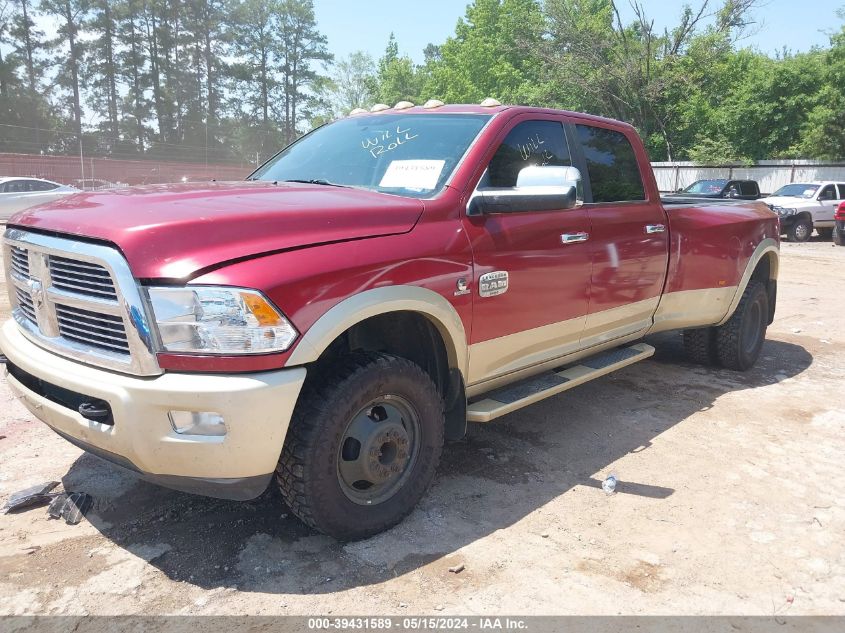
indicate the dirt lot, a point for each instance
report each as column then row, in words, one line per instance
column 730, row 502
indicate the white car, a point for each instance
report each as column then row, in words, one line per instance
column 803, row 207
column 17, row 194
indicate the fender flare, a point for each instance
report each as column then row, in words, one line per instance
column 375, row 302
column 768, row 245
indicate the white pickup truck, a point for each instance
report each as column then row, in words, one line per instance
column 803, row 207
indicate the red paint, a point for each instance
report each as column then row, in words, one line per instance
column 840, row 212
column 255, row 234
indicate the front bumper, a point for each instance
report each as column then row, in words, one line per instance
column 257, row 409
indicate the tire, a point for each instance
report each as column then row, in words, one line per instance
column 363, row 445
column 700, row 346
column 837, row 238
column 739, row 341
column 800, row 231
column 825, row 234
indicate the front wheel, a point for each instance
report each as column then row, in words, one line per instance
column 740, row 339
column 363, row 445
column 800, row 231
column 837, row 237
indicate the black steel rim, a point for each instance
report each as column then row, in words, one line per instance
column 378, row 450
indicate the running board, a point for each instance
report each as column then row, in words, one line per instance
column 494, row 404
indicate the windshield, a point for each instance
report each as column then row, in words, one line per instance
column 405, row 154
column 796, row 191
column 706, row 186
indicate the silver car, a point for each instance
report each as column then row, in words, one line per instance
column 20, row 193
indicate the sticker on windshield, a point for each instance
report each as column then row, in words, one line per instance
column 413, row 174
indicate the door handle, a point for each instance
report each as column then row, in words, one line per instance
column 574, row 238
column 654, row 228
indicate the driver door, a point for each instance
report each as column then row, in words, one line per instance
column 536, row 262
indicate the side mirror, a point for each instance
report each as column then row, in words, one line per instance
column 547, row 188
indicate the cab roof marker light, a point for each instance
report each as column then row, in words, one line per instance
column 357, row 111
column 380, row 107
column 490, row 102
column 403, row 105
column 433, row 103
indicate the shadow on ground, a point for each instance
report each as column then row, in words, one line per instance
column 496, row 476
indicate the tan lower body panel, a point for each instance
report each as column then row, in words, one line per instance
column 692, row 308
column 505, row 355
column 503, row 401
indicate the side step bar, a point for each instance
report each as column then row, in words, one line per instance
column 494, row 404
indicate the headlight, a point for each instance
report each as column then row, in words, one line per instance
column 783, row 211
column 211, row 320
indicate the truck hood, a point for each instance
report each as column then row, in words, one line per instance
column 789, row 202
column 174, row 231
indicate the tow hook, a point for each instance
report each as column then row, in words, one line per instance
column 96, row 411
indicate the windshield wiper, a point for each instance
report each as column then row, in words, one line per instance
column 317, row 181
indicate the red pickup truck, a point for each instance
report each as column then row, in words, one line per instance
column 370, row 289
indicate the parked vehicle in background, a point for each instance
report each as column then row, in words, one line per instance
column 803, row 207
column 839, row 226
column 17, row 194
column 721, row 188
column 376, row 285
column 98, row 184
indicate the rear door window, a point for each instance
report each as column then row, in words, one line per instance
column 841, row 191
column 611, row 164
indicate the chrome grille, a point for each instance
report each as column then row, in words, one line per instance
column 98, row 330
column 81, row 277
column 20, row 261
column 26, row 306
column 79, row 299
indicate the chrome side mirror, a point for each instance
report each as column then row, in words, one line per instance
column 538, row 188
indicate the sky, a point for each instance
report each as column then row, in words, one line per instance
column 366, row 24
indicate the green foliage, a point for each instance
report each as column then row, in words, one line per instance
column 823, row 134
column 236, row 79
column 398, row 78
column 494, row 53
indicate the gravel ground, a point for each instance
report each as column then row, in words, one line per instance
column 728, row 503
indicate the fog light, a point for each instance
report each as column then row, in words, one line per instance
column 197, row 422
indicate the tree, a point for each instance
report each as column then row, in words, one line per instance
column 492, row 54
column 301, row 45
column 28, row 43
column 823, row 135
column 352, row 82
column 398, row 78
column 256, row 46
column 101, row 68
column 132, row 71
column 632, row 72
column 69, row 51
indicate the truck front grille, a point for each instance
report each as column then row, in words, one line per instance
column 26, row 306
column 82, row 278
column 78, row 300
column 98, row 330
column 20, row 261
